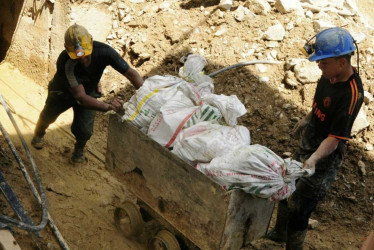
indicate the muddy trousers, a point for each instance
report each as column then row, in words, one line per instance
column 58, row 102
column 293, row 215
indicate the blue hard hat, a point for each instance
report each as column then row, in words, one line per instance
column 332, row 42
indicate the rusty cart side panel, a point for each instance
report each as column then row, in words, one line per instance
column 194, row 205
column 186, row 198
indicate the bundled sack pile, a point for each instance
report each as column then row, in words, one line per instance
column 183, row 114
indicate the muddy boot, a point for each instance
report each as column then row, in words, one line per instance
column 78, row 156
column 295, row 239
column 279, row 232
column 37, row 142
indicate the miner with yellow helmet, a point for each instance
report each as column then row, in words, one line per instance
column 76, row 84
column 78, row 42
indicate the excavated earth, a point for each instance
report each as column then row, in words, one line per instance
column 81, row 199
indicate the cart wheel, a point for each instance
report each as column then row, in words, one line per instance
column 128, row 219
column 164, row 240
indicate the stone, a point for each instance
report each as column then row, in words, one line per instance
column 351, row 5
column 220, row 32
column 360, row 123
column 275, row 33
column 345, row 13
column 144, row 56
column 121, row 5
column 259, row 7
column 295, row 119
column 264, row 79
column 127, row 19
column 261, row 68
column 369, row 147
column 368, row 98
column 122, row 14
column 287, row 154
column 307, row 72
column 243, row 13
column 320, row 3
column 319, row 25
column 312, row 8
column 225, row 4
column 165, row 6
column 274, row 54
column 271, row 44
column 309, row 14
column 286, row 6
column 290, row 79
column 292, row 62
column 290, row 26
column 359, row 36
column 313, row 224
column 286, row 106
column 362, row 167
column 115, row 24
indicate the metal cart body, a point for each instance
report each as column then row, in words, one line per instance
column 198, row 208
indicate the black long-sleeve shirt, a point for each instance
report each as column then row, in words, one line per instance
column 70, row 72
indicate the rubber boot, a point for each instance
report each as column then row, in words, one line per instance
column 37, row 142
column 78, row 155
column 295, row 239
column 279, row 232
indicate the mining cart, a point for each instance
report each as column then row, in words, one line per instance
column 176, row 206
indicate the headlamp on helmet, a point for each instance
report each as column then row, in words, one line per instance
column 78, row 42
column 79, row 51
column 331, row 42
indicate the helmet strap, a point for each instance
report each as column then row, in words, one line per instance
column 358, row 57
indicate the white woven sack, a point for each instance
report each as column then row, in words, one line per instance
column 206, row 140
column 256, row 170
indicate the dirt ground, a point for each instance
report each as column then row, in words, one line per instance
column 82, row 198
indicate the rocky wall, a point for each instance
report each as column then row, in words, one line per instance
column 34, row 39
column 37, row 40
column 9, row 13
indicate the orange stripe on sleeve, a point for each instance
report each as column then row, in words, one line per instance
column 340, row 137
column 352, row 98
column 356, row 97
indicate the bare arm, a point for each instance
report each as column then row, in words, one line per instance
column 327, row 146
column 87, row 101
column 134, row 77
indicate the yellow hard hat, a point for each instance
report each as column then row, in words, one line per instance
column 78, row 42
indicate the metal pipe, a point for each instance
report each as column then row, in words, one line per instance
column 40, row 198
column 241, row 65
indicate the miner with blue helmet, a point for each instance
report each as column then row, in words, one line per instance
column 323, row 133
